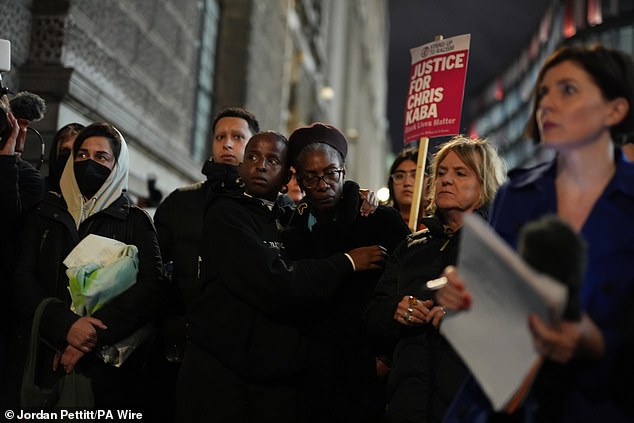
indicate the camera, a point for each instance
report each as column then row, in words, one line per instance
column 5, row 66
column 5, row 55
column 26, row 108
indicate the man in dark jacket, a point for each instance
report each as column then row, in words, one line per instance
column 179, row 221
column 180, row 216
column 341, row 382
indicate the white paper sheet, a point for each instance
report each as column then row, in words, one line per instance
column 493, row 337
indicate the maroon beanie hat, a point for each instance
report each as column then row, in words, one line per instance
column 317, row 132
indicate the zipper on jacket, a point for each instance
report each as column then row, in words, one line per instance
column 44, row 235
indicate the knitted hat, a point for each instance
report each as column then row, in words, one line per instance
column 317, row 132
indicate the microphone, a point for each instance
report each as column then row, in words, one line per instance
column 29, row 106
column 552, row 247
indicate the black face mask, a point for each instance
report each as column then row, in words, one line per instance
column 90, row 176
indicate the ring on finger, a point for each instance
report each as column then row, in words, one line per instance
column 444, row 310
column 412, row 301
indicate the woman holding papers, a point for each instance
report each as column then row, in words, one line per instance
column 92, row 201
column 426, row 372
column 584, row 103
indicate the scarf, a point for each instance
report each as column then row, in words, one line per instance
column 116, row 183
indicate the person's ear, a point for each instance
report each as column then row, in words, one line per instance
column 619, row 108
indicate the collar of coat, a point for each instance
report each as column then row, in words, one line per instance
column 623, row 179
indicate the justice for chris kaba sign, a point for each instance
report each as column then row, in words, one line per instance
column 436, row 88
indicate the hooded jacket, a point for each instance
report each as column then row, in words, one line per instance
column 54, row 228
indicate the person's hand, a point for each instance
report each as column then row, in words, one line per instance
column 369, row 202
column 435, row 315
column 68, row 359
column 23, row 125
column 561, row 342
column 365, row 258
column 382, row 368
column 558, row 343
column 82, row 334
column 411, row 311
column 453, row 295
column 8, row 149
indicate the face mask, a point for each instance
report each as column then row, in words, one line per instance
column 90, row 176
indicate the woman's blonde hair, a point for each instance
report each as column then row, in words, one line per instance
column 479, row 156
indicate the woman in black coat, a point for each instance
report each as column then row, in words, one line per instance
column 426, row 372
column 344, row 381
column 92, row 201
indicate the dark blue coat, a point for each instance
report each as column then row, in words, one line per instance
column 587, row 391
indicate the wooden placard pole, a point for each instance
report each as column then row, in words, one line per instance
column 423, row 146
column 418, row 183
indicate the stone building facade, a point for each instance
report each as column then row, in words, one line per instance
column 160, row 69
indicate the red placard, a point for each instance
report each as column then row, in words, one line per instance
column 436, row 88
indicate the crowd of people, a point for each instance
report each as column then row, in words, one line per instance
column 277, row 290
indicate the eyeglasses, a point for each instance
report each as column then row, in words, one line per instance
column 400, row 175
column 330, row 177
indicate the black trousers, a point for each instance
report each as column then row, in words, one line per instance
column 208, row 391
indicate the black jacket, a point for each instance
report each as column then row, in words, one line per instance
column 342, row 384
column 251, row 314
column 21, row 188
column 51, row 234
column 179, row 222
column 426, row 372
